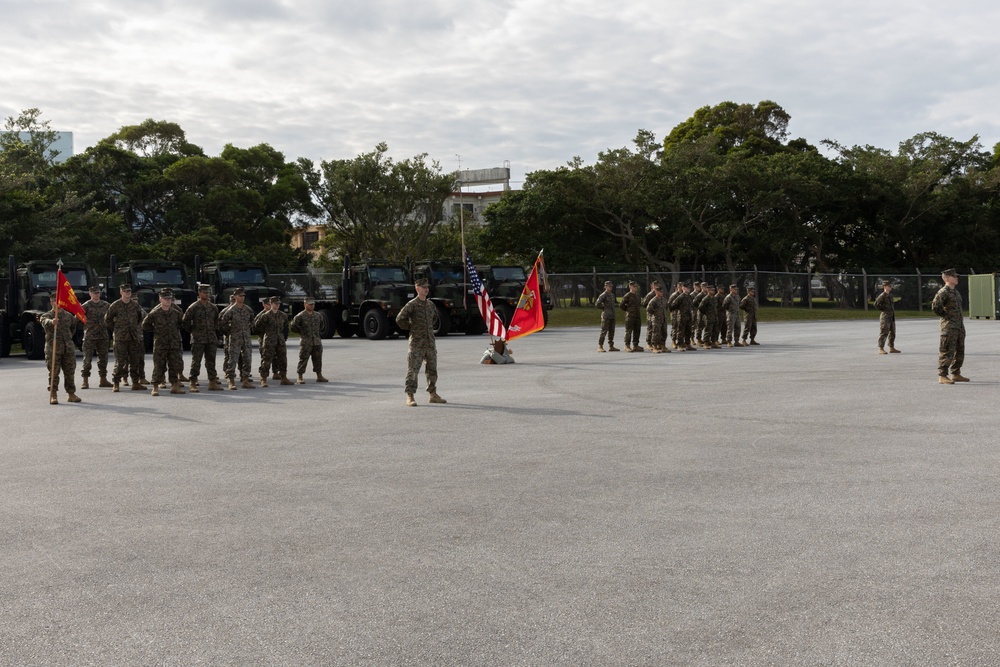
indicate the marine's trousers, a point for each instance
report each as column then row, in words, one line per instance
column 309, row 351
column 951, row 355
column 204, row 351
column 416, row 356
column 98, row 346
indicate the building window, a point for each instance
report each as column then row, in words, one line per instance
column 309, row 239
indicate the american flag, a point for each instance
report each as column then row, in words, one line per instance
column 493, row 322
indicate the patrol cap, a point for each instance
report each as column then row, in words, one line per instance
column 704, row 284
column 950, row 272
column 239, row 291
column 124, row 287
column 751, row 288
column 275, row 299
column 655, row 283
column 310, row 300
column 886, row 282
column 94, row 288
column 632, row 282
column 421, row 282
column 166, row 293
column 733, row 287
column 608, row 283
column 204, row 287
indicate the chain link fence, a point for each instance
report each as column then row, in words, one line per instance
column 774, row 288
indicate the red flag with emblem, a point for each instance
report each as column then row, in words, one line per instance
column 529, row 315
column 66, row 297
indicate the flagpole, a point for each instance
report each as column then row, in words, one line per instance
column 55, row 336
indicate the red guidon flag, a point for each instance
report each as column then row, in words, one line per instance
column 66, row 297
column 529, row 315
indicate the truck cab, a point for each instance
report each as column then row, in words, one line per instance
column 453, row 296
column 224, row 276
column 373, row 292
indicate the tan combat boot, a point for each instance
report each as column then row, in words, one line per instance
column 612, row 348
column 263, row 381
column 73, row 398
column 115, row 386
column 193, row 387
column 181, row 378
column 600, row 347
column 247, row 384
column 232, row 383
column 285, row 380
column 85, row 384
column 628, row 348
column 214, row 385
column 53, row 400
column 301, row 379
column 176, row 388
column 320, row 378
column 104, row 384
column 944, row 379
column 410, row 401
column 753, row 342
column 435, row 398
column 893, row 350
column 638, row 348
column 138, row 386
column 155, row 391
column 955, row 377
column 881, row 350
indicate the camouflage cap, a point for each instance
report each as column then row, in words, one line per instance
column 608, row 283
column 751, row 288
column 704, row 284
column 633, row 283
column 421, row 282
column 124, row 287
column 733, row 287
column 166, row 293
column 204, row 287
column 310, row 301
column 886, row 282
column 94, row 288
column 275, row 299
column 239, row 291
column 655, row 283
column 950, row 272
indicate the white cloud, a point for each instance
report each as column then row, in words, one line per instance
column 531, row 81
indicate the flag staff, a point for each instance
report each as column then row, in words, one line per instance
column 54, row 302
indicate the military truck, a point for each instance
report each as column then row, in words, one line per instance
column 448, row 284
column 504, row 285
column 371, row 294
column 29, row 289
column 224, row 276
column 147, row 277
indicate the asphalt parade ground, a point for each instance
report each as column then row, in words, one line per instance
column 805, row 502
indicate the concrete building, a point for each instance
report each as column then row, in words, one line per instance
column 307, row 238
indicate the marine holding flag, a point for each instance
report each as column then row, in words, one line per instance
column 59, row 324
column 529, row 316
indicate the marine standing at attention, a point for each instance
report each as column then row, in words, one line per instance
column 606, row 302
column 236, row 321
column 95, row 338
column 420, row 317
column 886, row 319
column 124, row 320
column 165, row 322
column 309, row 325
column 749, row 306
column 732, row 306
column 633, row 318
column 947, row 304
column 62, row 329
column 201, row 320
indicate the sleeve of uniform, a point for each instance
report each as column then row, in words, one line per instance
column 147, row 322
column 188, row 318
column 403, row 317
column 293, row 326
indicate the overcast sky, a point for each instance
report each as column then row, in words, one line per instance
column 535, row 82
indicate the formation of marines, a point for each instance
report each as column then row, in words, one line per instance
column 700, row 317
column 126, row 322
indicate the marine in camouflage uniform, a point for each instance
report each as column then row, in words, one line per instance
column 606, row 302
column 749, row 306
column 674, row 317
column 236, row 321
column 732, row 307
column 95, row 338
column 947, row 304
column 65, row 352
column 309, row 325
column 709, row 313
column 270, row 326
column 124, row 320
column 656, row 320
column 645, row 302
column 886, row 319
column 720, row 314
column 631, row 303
column 697, row 317
column 201, row 320
column 164, row 321
column 682, row 305
column 420, row 317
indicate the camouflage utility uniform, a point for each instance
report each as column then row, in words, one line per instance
column 698, row 319
column 165, row 323
column 124, row 320
column 732, row 306
column 420, row 318
column 309, row 327
column 65, row 357
column 633, row 318
column 682, row 305
column 95, row 338
column 656, row 320
column 201, row 320
column 709, row 317
column 236, row 322
column 749, row 306
column 947, row 304
column 270, row 326
column 606, row 302
column 645, row 303
column 886, row 319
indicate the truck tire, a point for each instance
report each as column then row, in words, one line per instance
column 346, row 329
column 329, row 323
column 376, row 324
column 444, row 323
column 504, row 312
column 5, row 340
column 33, row 340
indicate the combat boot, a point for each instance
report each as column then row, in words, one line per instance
column 232, row 383
column 300, row 380
column 176, row 388
column 753, row 342
column 944, row 379
column 155, row 391
column 955, row 377
column 410, row 401
column 320, row 378
column 435, row 398
column 104, row 382
column 276, row 376
column 53, row 400
column 600, row 347
column 181, row 378
column 715, row 346
column 214, row 385
column 612, row 348
column 193, row 387
column 285, row 380
column 638, row 348
column 263, row 381
column 737, row 344
column 114, row 387
column 85, row 384
column 73, row 398
column 628, row 348
column 138, row 386
column 689, row 348
column 894, row 350
column 247, row 384
column 881, row 350
column 144, row 381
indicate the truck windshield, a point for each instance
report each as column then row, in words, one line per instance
column 386, row 274
column 242, row 277
column 43, row 279
column 159, row 277
column 448, row 274
column 507, row 273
